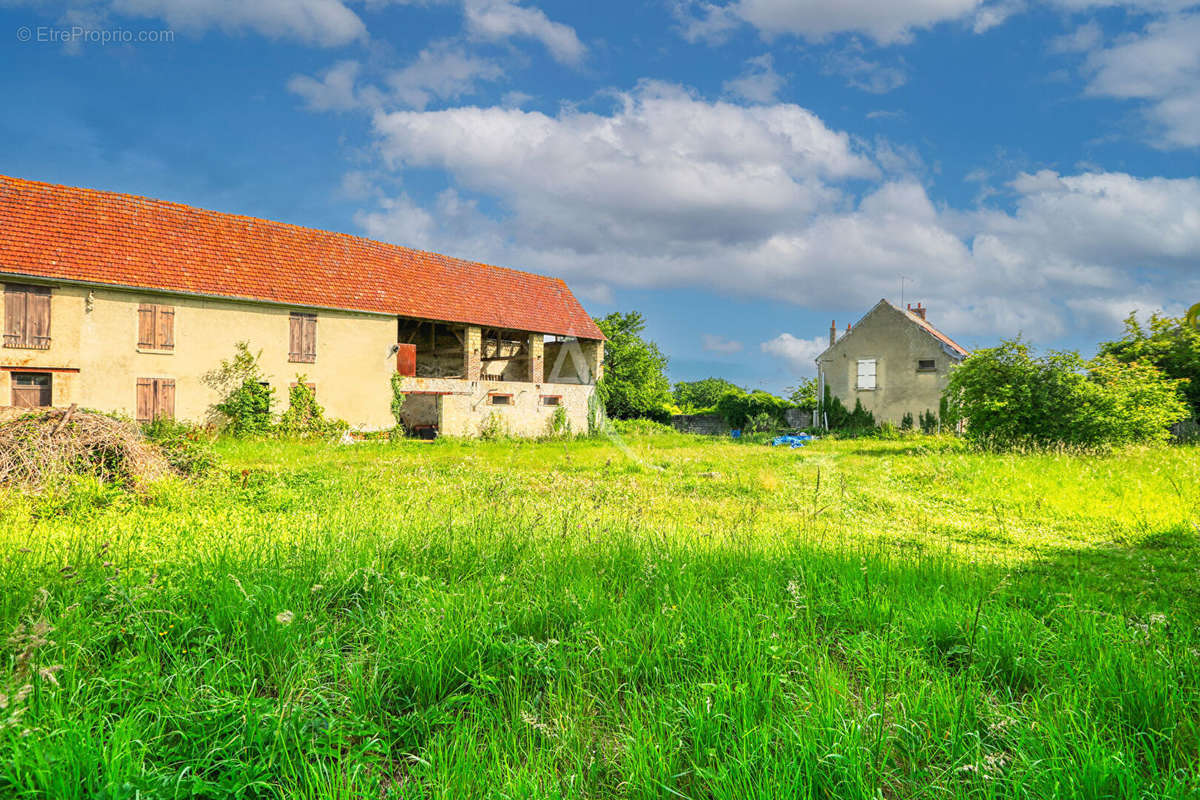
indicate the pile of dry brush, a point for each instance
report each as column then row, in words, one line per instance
column 40, row 445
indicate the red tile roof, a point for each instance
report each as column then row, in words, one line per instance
column 934, row 332
column 52, row 231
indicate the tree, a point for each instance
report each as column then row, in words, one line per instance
column 804, row 393
column 1170, row 344
column 695, row 395
column 1010, row 397
column 635, row 382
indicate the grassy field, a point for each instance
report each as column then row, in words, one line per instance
column 679, row 618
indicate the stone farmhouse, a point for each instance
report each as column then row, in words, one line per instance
column 893, row 360
column 122, row 303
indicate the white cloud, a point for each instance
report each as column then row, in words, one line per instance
column 321, row 22
column 885, row 21
column 760, row 83
column 799, row 354
column 442, row 71
column 714, row 343
column 1161, row 67
column 669, row 190
column 334, row 91
column 664, row 167
column 862, row 73
column 495, row 20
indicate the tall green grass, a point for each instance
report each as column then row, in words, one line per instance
column 685, row 618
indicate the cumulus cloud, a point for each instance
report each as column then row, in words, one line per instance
column 799, row 354
column 714, row 343
column 495, row 20
column 670, row 190
column 760, row 83
column 442, row 71
column 1159, row 66
column 884, row 21
column 333, row 91
column 321, row 22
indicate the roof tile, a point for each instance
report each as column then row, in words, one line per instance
column 53, row 231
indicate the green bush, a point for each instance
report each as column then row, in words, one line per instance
column 246, row 396
column 929, row 422
column 1009, row 397
column 740, row 409
column 906, row 422
column 304, row 416
column 187, row 448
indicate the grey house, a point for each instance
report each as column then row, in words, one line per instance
column 892, row 359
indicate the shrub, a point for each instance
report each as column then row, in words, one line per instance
column 906, row 422
column 246, row 396
column 186, row 447
column 929, row 422
column 304, row 416
column 247, row 409
column 1009, row 397
column 558, row 425
column 740, row 409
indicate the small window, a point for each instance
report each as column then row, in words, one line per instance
column 27, row 317
column 866, row 373
column 155, row 399
column 156, row 327
column 500, row 399
column 926, row 365
column 552, row 400
column 32, row 389
column 302, row 338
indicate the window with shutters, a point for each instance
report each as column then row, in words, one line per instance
column 156, row 327
column 302, row 338
column 27, row 316
column 155, row 399
column 866, row 373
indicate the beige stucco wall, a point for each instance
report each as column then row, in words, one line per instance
column 464, row 409
column 887, row 335
column 98, row 336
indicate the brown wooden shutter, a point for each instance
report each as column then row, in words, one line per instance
column 165, row 405
column 38, row 318
column 295, row 338
column 14, row 316
column 165, row 325
column 145, row 399
column 310, row 338
column 145, row 325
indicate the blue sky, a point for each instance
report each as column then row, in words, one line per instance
column 740, row 172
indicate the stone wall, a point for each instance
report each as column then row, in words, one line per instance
column 798, row 417
column 705, row 424
column 467, row 408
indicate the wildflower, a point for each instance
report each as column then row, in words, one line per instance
column 285, row 617
column 316, row 587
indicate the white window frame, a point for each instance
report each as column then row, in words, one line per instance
column 868, row 382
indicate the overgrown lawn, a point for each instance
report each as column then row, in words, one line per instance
column 667, row 617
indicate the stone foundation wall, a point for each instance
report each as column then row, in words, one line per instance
column 467, row 408
column 704, row 424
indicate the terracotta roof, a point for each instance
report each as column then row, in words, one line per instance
column 941, row 337
column 61, row 232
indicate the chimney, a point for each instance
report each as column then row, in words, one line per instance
column 919, row 310
column 832, row 332
column 847, row 327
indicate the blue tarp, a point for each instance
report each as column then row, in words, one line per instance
column 792, row 441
